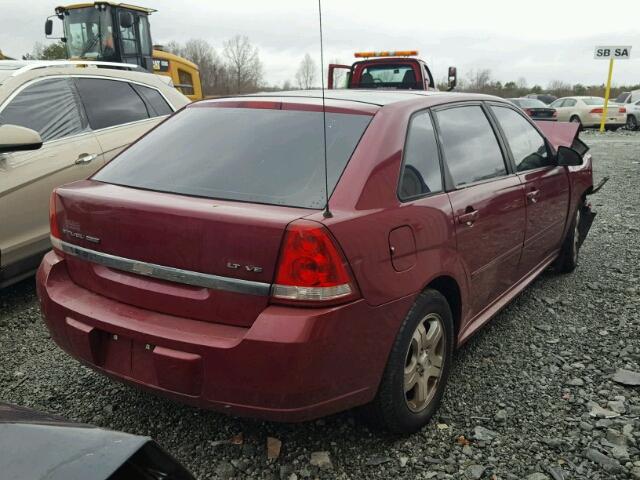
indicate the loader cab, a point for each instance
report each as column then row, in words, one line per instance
column 104, row 31
column 398, row 70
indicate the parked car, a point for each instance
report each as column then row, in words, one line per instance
column 230, row 283
column 39, row 446
column 627, row 97
column 535, row 109
column 587, row 112
column 545, row 98
column 84, row 116
column 633, row 115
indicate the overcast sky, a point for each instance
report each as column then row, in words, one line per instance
column 542, row 41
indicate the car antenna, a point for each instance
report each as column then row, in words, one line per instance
column 327, row 212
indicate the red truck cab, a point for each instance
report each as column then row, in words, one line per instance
column 387, row 70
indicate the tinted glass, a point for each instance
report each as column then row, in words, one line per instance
column 558, row 103
column 156, row 104
column 50, row 107
column 421, row 172
column 569, row 102
column 527, row 145
column 110, row 102
column 470, row 147
column 253, row 155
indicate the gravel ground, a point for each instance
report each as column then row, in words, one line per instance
column 531, row 397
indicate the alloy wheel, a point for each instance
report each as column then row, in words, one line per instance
column 424, row 362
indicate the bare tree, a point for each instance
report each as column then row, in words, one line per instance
column 243, row 64
column 287, row 85
column 212, row 71
column 306, row 74
column 478, row 80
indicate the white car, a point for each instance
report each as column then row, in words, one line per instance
column 633, row 115
column 587, row 111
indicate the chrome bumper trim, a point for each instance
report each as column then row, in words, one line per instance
column 170, row 274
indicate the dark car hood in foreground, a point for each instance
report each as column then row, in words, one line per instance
column 36, row 446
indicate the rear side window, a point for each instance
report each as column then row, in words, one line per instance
column 50, row 107
column 253, row 155
column 110, row 102
column 569, row 102
column 421, row 167
column 527, row 146
column 470, row 147
column 156, row 104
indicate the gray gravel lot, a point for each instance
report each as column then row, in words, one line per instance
column 527, row 399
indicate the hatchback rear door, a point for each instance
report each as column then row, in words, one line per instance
column 201, row 206
column 487, row 200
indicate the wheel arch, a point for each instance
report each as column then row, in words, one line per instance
column 450, row 290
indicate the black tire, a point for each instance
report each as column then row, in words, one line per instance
column 569, row 253
column 632, row 122
column 391, row 408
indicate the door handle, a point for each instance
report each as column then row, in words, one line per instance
column 84, row 158
column 533, row 195
column 468, row 218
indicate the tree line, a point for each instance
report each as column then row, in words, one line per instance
column 481, row 81
column 237, row 68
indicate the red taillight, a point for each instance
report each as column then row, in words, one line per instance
column 622, row 110
column 596, row 110
column 311, row 268
column 529, row 111
column 554, row 113
column 53, row 215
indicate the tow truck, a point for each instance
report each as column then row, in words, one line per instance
column 117, row 32
column 398, row 69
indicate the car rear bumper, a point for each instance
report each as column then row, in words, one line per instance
column 292, row 364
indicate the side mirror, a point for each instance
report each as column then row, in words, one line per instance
column 48, row 27
column 568, row 157
column 15, row 139
column 126, row 20
column 452, row 78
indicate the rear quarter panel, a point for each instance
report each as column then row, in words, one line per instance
column 366, row 209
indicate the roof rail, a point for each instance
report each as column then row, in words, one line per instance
column 75, row 63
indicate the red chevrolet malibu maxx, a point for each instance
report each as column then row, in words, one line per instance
column 205, row 264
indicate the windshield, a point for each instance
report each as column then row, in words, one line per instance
column 89, row 33
column 252, row 155
column 388, row 76
column 593, row 101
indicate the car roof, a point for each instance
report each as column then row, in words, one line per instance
column 29, row 69
column 379, row 97
column 13, row 75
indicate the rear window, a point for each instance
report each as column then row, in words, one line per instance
column 593, row 101
column 252, row 155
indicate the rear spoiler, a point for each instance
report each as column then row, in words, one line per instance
column 563, row 134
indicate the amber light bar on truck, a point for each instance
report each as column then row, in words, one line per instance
column 396, row 53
